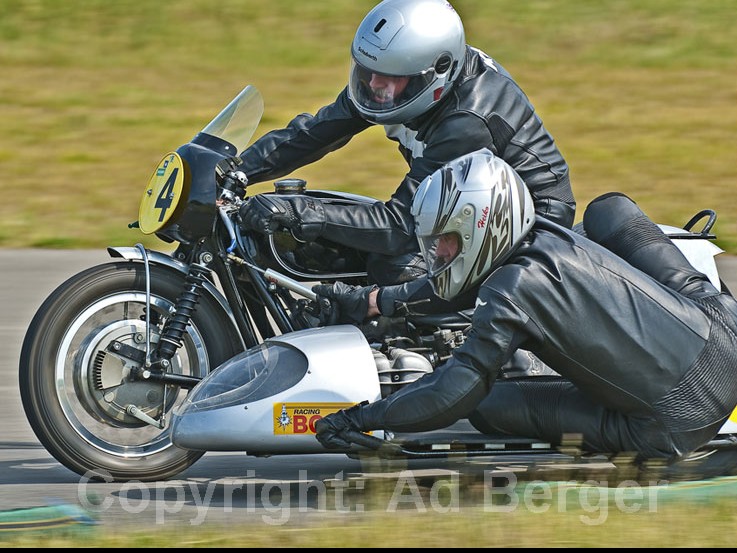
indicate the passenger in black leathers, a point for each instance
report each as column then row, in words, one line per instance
column 646, row 343
column 477, row 104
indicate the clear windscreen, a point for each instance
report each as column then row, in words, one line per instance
column 247, row 377
column 240, row 118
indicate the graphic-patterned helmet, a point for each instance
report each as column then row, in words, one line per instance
column 404, row 58
column 469, row 216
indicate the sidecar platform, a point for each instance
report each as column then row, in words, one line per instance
column 462, row 439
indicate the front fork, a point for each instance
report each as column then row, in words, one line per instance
column 157, row 363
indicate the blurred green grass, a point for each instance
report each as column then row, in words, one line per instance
column 641, row 96
column 543, row 525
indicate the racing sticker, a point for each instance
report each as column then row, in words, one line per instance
column 733, row 416
column 300, row 418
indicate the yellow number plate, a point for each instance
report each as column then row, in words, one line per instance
column 163, row 194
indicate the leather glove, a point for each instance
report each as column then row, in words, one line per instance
column 329, row 428
column 265, row 213
column 348, row 304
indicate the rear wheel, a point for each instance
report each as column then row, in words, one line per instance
column 77, row 368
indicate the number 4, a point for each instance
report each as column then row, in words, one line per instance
column 166, row 196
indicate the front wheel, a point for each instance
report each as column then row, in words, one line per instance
column 78, row 363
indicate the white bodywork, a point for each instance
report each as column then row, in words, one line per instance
column 341, row 372
column 700, row 253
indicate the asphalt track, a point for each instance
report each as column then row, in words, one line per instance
column 220, row 487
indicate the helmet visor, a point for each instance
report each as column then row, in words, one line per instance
column 439, row 250
column 381, row 93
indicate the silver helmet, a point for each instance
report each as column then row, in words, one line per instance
column 404, row 58
column 469, row 216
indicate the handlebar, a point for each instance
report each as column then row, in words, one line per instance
column 231, row 183
column 712, row 217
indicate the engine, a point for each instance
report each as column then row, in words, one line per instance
column 398, row 367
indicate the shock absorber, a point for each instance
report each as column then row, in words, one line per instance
column 176, row 324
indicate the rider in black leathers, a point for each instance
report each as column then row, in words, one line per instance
column 647, row 344
column 473, row 103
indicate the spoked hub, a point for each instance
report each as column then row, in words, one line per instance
column 108, row 375
column 97, row 375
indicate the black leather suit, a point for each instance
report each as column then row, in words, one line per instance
column 647, row 343
column 486, row 108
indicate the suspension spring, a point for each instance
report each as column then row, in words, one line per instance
column 176, row 324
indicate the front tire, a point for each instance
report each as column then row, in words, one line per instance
column 77, row 392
